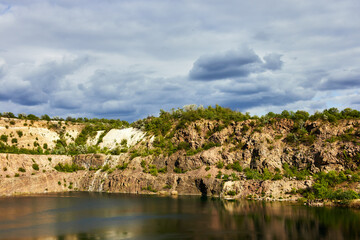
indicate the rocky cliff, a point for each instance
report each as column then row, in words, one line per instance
column 267, row 160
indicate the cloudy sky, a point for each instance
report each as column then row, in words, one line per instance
column 128, row 59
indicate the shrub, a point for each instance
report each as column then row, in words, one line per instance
column 244, row 129
column 267, row 174
column 105, row 168
column 183, row 146
column 225, row 177
column 291, row 138
column 14, row 140
column 234, row 177
column 209, row 145
column 19, row 133
column 4, row 138
column 220, row 164
column 231, row 193
column 134, row 155
column 162, row 170
column 35, row 167
column 179, row 170
column 149, row 188
column 193, row 151
column 124, row 142
column 277, row 176
column 252, row 174
column 21, row 169
column 235, row 166
column 153, row 172
column 122, row 167
column 67, row 167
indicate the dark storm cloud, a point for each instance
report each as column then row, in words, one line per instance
column 341, row 80
column 233, row 63
column 244, row 88
column 38, row 86
column 269, row 98
column 49, row 76
column 28, row 97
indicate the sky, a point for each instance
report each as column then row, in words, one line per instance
column 127, row 59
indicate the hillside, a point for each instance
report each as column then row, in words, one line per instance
column 213, row 151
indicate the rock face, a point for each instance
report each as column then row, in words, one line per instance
column 29, row 134
column 315, row 146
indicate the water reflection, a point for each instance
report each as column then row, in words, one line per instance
column 119, row 216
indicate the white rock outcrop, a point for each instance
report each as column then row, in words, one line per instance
column 115, row 136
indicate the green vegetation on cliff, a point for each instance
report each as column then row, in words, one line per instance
column 167, row 124
column 333, row 186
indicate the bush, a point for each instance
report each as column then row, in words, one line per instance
column 4, row 138
column 122, row 167
column 235, row 166
column 153, row 172
column 19, row 133
column 167, row 186
column 67, row 167
column 291, row 138
column 267, row 174
column 149, row 188
column 277, row 176
column 343, row 195
column 207, row 146
column 35, row 167
column 105, row 168
column 134, row 155
column 179, row 170
column 124, row 142
column 231, row 193
column 252, row 174
column 14, row 140
column 183, row 146
column 290, row 172
column 220, row 164
column 21, row 169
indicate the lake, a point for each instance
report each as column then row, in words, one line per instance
column 81, row 215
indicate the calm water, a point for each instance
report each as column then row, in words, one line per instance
column 120, row 216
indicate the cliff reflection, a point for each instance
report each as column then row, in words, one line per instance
column 117, row 216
